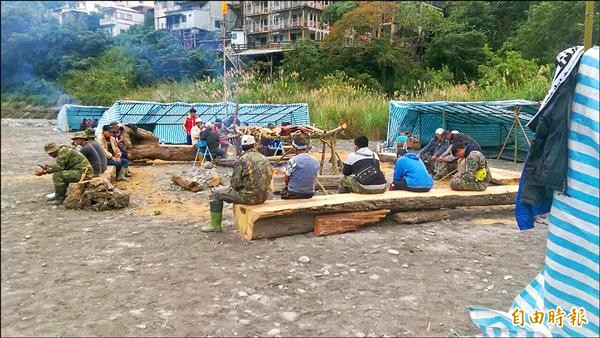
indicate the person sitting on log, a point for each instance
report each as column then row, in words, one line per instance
column 91, row 140
column 117, row 130
column 70, row 166
column 80, row 139
column 437, row 144
column 362, row 171
column 212, row 140
column 250, row 183
column 112, row 152
column 476, row 175
column 300, row 172
column 410, row 174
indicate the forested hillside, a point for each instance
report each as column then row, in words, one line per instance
column 473, row 50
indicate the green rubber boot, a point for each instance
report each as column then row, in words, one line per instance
column 216, row 216
column 121, row 176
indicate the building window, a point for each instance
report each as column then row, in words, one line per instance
column 217, row 23
column 183, row 18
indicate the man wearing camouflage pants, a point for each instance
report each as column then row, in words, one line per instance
column 250, row 183
column 476, row 175
column 70, row 166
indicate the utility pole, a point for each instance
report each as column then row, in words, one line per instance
column 588, row 25
column 224, row 10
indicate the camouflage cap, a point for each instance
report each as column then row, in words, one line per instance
column 80, row 134
column 90, row 133
column 51, row 147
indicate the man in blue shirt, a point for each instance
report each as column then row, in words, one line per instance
column 300, row 173
column 410, row 174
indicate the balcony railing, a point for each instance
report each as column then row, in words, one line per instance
column 108, row 21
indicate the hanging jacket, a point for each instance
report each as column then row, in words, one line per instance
column 545, row 169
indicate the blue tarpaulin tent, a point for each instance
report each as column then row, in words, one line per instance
column 165, row 119
column 488, row 122
column 70, row 116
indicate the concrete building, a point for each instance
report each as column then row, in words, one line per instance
column 195, row 23
column 272, row 23
column 117, row 19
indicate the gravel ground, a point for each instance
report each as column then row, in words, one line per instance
column 134, row 273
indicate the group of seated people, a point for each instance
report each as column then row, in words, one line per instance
column 87, row 157
column 252, row 173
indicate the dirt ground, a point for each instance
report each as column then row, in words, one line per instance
column 139, row 272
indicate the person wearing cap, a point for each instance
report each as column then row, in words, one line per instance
column 362, row 171
column 112, row 152
column 80, row 139
column 477, row 173
column 427, row 154
column 249, row 184
column 117, row 128
column 196, row 130
column 448, row 162
column 410, row 174
column 91, row 140
column 300, row 172
column 188, row 124
column 70, row 167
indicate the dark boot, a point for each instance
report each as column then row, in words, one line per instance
column 216, row 216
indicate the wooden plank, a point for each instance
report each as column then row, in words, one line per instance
column 387, row 157
column 247, row 215
column 504, row 177
column 345, row 222
column 328, row 181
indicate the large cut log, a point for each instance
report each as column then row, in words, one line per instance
column 328, row 181
column 97, row 194
column 345, row 222
column 257, row 221
column 133, row 136
column 188, row 184
column 163, row 152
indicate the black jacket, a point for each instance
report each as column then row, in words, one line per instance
column 359, row 160
column 211, row 138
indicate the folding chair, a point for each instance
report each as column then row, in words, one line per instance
column 204, row 153
column 277, row 146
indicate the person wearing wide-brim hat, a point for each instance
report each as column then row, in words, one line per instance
column 70, row 166
column 81, row 139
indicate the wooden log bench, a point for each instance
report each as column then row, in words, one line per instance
column 276, row 218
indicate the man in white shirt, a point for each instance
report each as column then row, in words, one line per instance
column 196, row 130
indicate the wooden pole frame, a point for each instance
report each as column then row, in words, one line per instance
column 516, row 122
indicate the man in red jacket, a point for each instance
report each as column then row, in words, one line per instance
column 188, row 124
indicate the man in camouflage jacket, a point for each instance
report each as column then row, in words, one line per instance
column 250, row 183
column 70, row 166
column 476, row 175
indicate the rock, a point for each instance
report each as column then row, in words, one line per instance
column 273, row 332
column 300, row 290
column 255, row 297
column 141, row 326
column 156, row 212
column 393, row 252
column 289, row 316
column 242, row 294
column 405, row 265
column 207, row 165
column 374, row 277
column 27, row 236
column 304, row 259
column 244, row 321
column 362, row 272
column 507, row 277
column 44, row 265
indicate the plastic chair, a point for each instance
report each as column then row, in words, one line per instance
column 204, row 153
column 276, row 146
